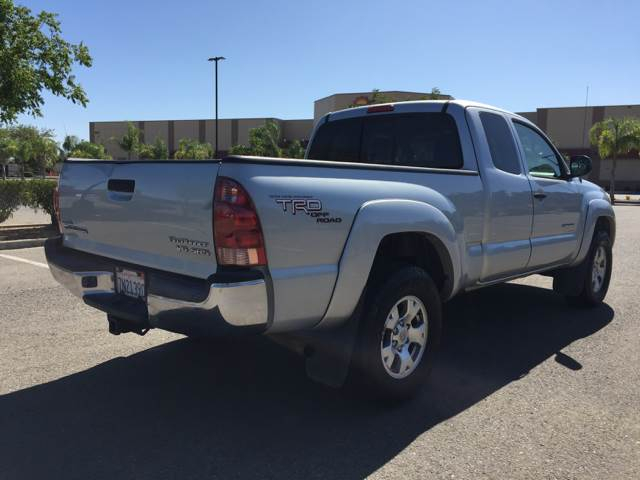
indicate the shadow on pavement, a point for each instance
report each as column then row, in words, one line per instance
column 244, row 408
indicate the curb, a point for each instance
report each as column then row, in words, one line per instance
column 19, row 227
column 28, row 243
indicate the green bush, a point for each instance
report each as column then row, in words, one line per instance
column 10, row 197
column 35, row 193
column 38, row 193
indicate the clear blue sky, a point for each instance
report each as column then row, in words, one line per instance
column 150, row 55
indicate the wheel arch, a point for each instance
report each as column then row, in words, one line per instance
column 380, row 225
column 600, row 214
column 418, row 248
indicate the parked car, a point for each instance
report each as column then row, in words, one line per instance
column 396, row 209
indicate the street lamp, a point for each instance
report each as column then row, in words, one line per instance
column 216, row 59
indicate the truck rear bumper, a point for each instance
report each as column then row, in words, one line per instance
column 177, row 303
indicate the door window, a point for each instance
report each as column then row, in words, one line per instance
column 541, row 159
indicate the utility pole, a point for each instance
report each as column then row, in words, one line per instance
column 216, row 60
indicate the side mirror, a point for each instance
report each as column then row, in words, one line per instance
column 579, row 165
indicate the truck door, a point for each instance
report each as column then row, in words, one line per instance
column 506, row 244
column 556, row 199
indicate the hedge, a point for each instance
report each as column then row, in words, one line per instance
column 35, row 193
column 10, row 197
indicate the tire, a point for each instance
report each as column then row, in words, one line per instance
column 408, row 365
column 595, row 284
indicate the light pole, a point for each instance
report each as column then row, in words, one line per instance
column 216, row 60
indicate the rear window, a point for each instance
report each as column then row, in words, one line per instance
column 402, row 139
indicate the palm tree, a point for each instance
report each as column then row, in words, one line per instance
column 69, row 144
column 615, row 137
column 45, row 150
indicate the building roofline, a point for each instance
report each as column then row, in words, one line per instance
column 590, row 106
column 381, row 91
column 206, row 119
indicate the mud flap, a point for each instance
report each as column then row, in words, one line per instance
column 327, row 352
column 570, row 281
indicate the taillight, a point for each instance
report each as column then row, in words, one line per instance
column 56, row 206
column 236, row 226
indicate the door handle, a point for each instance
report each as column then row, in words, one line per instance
column 540, row 195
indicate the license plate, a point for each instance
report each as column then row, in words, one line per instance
column 130, row 283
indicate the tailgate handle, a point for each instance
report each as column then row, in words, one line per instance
column 123, row 186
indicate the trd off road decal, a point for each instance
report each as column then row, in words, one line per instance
column 304, row 205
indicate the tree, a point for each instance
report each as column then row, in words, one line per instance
column 36, row 150
column 26, row 138
column 8, row 150
column 156, row 151
column 145, row 151
column 378, row 97
column 46, row 152
column 69, row 144
column 160, row 150
column 433, row 95
column 34, row 57
column 615, row 137
column 295, row 150
column 89, row 150
column 130, row 141
column 189, row 149
column 264, row 141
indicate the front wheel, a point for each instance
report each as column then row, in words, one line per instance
column 596, row 274
column 399, row 333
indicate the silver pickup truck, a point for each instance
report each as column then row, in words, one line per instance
column 396, row 209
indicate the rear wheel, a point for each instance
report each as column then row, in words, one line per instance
column 399, row 334
column 596, row 274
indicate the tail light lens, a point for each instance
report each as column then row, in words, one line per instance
column 56, row 206
column 236, row 226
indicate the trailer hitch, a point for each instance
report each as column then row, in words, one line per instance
column 120, row 325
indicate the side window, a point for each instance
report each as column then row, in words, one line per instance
column 427, row 140
column 540, row 157
column 501, row 145
column 338, row 141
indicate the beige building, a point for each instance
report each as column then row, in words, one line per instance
column 231, row 132
column 568, row 127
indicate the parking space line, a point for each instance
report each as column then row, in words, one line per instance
column 18, row 259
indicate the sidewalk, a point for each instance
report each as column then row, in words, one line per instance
column 25, row 229
column 27, row 216
column 628, row 197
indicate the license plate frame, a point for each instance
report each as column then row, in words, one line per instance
column 130, row 283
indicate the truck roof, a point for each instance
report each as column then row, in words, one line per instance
column 416, row 104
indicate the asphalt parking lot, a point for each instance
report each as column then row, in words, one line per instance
column 525, row 387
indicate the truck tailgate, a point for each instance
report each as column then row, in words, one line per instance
column 154, row 214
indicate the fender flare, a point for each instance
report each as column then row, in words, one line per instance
column 374, row 221
column 596, row 208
